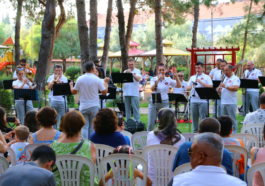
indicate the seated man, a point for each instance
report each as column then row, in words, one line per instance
column 205, row 157
column 259, row 115
column 207, row 125
column 35, row 172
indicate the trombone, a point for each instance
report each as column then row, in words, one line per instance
column 55, row 81
column 30, row 78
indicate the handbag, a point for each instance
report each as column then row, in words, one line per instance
column 133, row 126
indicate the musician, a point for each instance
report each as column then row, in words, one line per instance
column 88, row 86
column 198, row 106
column 218, row 61
column 252, row 95
column 23, row 64
column 163, row 84
column 22, row 83
column 58, row 103
column 131, row 92
column 229, row 90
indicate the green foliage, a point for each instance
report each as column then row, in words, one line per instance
column 185, row 71
column 261, row 89
column 72, row 71
column 113, row 70
column 70, row 101
column 6, row 95
column 6, row 30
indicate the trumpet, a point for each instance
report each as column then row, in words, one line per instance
column 55, row 81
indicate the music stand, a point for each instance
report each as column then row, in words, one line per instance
column 248, row 83
column 216, row 83
column 62, row 89
column 262, row 80
column 156, row 97
column 8, row 84
column 207, row 93
column 25, row 94
column 101, row 97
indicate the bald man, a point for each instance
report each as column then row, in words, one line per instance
column 218, row 68
column 252, row 95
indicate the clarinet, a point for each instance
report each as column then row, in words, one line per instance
column 195, row 83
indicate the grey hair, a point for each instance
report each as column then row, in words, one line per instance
column 230, row 67
column 251, row 62
column 212, row 140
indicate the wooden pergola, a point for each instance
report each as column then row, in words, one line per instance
column 100, row 50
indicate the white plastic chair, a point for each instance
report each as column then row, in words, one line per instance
column 189, row 136
column 256, row 129
column 12, row 155
column 254, row 168
column 249, row 140
column 163, row 157
column 69, row 167
column 120, row 166
column 30, row 148
column 141, row 137
column 235, row 152
column 4, row 164
column 186, row 168
column 128, row 134
column 102, row 151
column 29, row 136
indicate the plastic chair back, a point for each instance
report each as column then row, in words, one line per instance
column 189, row 136
column 254, row 168
column 102, row 151
column 70, row 166
column 4, row 164
column 30, row 148
column 12, row 155
column 249, row 140
column 128, row 134
column 140, row 144
column 120, row 166
column 256, row 129
column 163, row 157
column 235, row 152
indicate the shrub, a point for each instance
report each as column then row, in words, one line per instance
column 70, row 101
column 72, row 71
column 6, row 95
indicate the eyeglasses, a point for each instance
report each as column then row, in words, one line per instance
column 20, row 68
column 180, row 76
column 190, row 152
column 23, row 65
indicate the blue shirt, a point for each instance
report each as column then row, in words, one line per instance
column 183, row 157
column 114, row 140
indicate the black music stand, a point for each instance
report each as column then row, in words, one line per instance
column 248, row 83
column 177, row 98
column 101, row 97
column 156, row 97
column 8, row 84
column 262, row 80
column 62, row 89
column 208, row 93
column 216, row 83
column 25, row 94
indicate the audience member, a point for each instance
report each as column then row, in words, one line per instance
column 207, row 125
column 105, row 126
column 3, row 144
column 257, row 155
column 144, row 79
column 151, row 72
column 35, row 172
column 21, row 136
column 121, row 128
column 166, row 133
column 96, row 62
column 46, row 117
column 205, row 158
column 259, row 115
column 71, row 141
column 31, row 122
column 3, row 122
column 125, row 149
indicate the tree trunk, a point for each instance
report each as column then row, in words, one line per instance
column 246, row 32
column 104, row 59
column 57, row 30
column 158, row 29
column 64, row 65
column 17, row 32
column 83, row 32
column 124, row 54
column 130, row 24
column 93, row 30
column 46, row 42
column 195, row 26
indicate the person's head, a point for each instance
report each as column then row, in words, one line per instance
column 161, row 68
column 96, row 63
column 23, row 62
column 223, row 64
column 46, row 117
column 261, row 101
column 21, row 133
column 90, row 67
column 166, row 131
column 250, row 65
column 209, row 125
column 98, row 72
column 131, row 64
column 20, row 70
column 30, row 121
column 228, row 70
column 105, row 122
column 207, row 149
column 44, row 156
column 218, row 63
column 181, row 76
column 58, row 69
column 72, row 123
column 2, row 118
column 199, row 67
column 125, row 149
column 226, row 125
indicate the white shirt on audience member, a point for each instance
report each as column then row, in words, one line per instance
column 89, row 86
column 50, row 80
column 132, row 89
column 181, row 89
column 254, row 74
column 207, row 176
column 257, row 116
column 229, row 97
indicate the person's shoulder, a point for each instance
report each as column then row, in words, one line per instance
column 183, row 178
column 185, row 146
column 236, row 181
column 206, row 76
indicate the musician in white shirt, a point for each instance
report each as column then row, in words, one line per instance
column 23, row 64
column 252, row 95
column 229, row 90
column 218, row 68
column 198, row 106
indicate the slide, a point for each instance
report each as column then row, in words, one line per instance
column 3, row 64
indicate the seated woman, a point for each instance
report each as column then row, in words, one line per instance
column 258, row 156
column 166, row 133
column 71, row 126
column 31, row 122
column 3, row 122
column 46, row 117
column 105, row 126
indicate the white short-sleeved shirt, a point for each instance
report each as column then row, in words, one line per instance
column 89, row 86
column 15, row 74
column 18, row 83
column 50, row 80
column 163, row 86
column 230, row 97
column 213, row 71
column 205, row 79
column 254, row 74
column 18, row 148
column 181, row 89
column 218, row 74
column 132, row 89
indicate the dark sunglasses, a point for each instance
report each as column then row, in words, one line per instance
column 190, row 152
column 23, row 65
column 180, row 76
